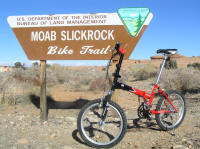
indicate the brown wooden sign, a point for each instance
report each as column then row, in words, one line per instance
column 76, row 36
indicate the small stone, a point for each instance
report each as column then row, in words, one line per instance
column 44, row 123
column 21, row 118
column 53, row 135
column 178, row 147
column 190, row 146
column 183, row 140
column 22, row 141
column 189, row 142
column 70, row 119
column 97, row 137
column 12, row 123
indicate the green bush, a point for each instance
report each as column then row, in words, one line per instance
column 171, row 64
column 194, row 65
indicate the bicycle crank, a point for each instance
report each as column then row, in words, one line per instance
column 144, row 111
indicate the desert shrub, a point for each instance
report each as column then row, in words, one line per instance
column 15, row 86
column 125, row 76
column 171, row 64
column 184, row 80
column 14, row 92
column 19, row 65
column 29, row 75
column 57, row 74
column 145, row 72
column 97, row 84
column 74, row 79
column 194, row 65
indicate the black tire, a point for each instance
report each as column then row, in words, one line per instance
column 169, row 121
column 112, row 121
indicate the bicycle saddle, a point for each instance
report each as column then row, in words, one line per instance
column 167, row 51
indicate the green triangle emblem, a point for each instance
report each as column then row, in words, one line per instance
column 133, row 19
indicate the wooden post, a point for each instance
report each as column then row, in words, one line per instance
column 115, row 94
column 43, row 98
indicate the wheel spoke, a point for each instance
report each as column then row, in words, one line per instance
column 163, row 119
column 100, row 132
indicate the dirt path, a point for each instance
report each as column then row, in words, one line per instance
column 20, row 128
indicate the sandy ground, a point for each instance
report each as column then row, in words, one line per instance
column 20, row 126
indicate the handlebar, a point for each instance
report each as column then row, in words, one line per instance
column 119, row 51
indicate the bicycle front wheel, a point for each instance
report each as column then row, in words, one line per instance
column 98, row 133
column 168, row 121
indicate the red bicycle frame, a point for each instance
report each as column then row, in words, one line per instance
column 146, row 96
column 141, row 93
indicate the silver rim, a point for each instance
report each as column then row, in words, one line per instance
column 178, row 102
column 112, row 122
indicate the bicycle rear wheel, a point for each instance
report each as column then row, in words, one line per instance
column 168, row 121
column 98, row 133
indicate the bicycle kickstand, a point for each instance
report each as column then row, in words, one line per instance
column 173, row 133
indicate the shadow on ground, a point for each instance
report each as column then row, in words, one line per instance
column 52, row 104
column 77, row 138
column 138, row 124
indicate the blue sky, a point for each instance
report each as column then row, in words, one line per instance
column 175, row 25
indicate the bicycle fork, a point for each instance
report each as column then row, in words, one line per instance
column 104, row 103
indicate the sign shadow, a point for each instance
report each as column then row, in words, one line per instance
column 52, row 104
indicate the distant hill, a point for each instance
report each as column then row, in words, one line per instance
column 156, row 60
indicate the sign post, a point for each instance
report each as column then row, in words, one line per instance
column 43, row 98
column 77, row 37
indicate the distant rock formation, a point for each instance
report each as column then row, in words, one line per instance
column 176, row 56
column 156, row 60
column 182, row 61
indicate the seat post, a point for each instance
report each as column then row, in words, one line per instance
column 161, row 68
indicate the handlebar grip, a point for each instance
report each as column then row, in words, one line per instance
column 117, row 45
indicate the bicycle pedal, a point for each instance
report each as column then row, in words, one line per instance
column 148, row 118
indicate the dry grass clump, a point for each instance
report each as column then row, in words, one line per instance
column 73, row 79
column 97, row 84
column 144, row 72
column 17, row 86
column 14, row 88
column 184, row 80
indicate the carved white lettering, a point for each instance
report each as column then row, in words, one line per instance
column 43, row 36
column 52, row 50
column 87, row 35
column 92, row 50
